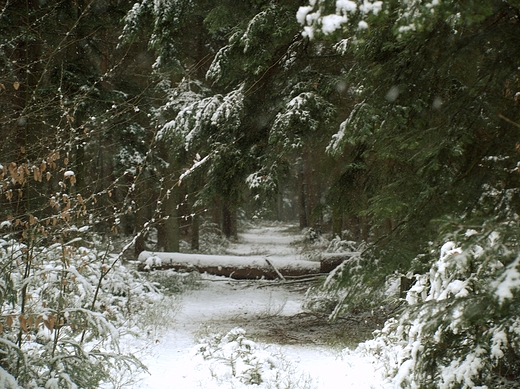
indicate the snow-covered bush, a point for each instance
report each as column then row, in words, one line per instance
column 316, row 243
column 212, row 240
column 238, row 362
column 63, row 308
column 357, row 283
column 171, row 282
column 461, row 327
column 338, row 245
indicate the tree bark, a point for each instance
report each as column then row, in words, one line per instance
column 195, row 231
column 171, row 224
column 229, row 220
column 169, row 235
column 143, row 211
column 302, row 206
column 279, row 206
column 238, row 267
column 337, row 222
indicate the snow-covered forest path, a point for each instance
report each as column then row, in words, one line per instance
column 279, row 240
column 271, row 314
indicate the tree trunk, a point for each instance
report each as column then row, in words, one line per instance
column 171, row 233
column 229, row 220
column 302, row 206
column 238, row 267
column 365, row 225
column 143, row 211
column 337, row 222
column 279, row 207
column 195, row 231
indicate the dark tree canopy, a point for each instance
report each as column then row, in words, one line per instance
column 394, row 123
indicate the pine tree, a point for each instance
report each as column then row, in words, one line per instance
column 435, row 129
column 429, row 110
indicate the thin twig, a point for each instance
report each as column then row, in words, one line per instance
column 280, row 276
column 508, row 120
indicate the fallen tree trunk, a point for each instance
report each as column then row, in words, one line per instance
column 330, row 261
column 239, row 267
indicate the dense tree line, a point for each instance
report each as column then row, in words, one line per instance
column 385, row 122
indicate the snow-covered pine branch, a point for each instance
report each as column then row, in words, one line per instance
column 199, row 117
column 461, row 327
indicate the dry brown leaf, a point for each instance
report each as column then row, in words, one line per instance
column 49, row 322
column 37, row 174
column 13, row 170
column 23, row 323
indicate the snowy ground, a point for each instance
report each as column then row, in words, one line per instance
column 219, row 305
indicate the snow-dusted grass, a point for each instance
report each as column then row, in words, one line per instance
column 66, row 308
column 209, row 313
column 235, row 361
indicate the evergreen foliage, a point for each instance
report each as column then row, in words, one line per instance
column 429, row 113
column 435, row 124
column 374, row 119
column 461, row 325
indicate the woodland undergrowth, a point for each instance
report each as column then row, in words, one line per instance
column 65, row 297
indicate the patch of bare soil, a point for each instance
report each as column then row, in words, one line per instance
column 308, row 328
column 314, row 328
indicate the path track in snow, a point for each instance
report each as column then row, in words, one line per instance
column 269, row 311
column 280, row 240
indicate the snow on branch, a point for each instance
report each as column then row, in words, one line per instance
column 316, row 17
column 215, row 112
column 198, row 162
column 327, row 17
column 508, row 282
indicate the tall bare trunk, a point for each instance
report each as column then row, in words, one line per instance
column 169, row 230
column 195, row 231
column 302, row 206
column 229, row 220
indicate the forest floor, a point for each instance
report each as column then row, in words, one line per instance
column 311, row 351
